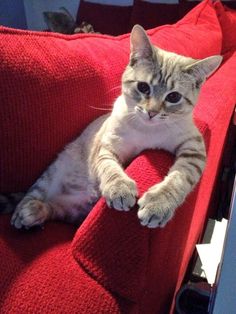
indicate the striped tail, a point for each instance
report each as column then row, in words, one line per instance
column 8, row 201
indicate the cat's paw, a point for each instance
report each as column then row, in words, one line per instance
column 155, row 210
column 29, row 214
column 121, row 194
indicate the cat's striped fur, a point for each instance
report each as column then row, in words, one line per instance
column 159, row 91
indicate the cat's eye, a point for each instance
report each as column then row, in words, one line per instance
column 144, row 88
column 173, row 97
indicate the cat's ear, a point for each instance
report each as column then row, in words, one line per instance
column 140, row 46
column 202, row 69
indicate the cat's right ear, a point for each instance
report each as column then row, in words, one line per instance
column 140, row 46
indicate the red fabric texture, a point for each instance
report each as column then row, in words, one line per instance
column 227, row 18
column 50, row 86
column 106, row 19
column 151, row 15
column 179, row 37
column 39, row 274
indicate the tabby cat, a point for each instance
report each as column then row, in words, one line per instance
column 159, row 91
column 63, row 22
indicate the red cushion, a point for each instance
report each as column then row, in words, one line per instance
column 106, row 19
column 51, row 90
column 179, row 37
column 151, row 15
column 227, row 18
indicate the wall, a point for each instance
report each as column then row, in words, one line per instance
column 35, row 8
column 12, row 14
column 23, row 13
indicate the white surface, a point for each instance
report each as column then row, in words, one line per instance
column 225, row 300
column 210, row 254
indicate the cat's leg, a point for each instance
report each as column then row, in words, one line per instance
column 34, row 208
column 69, row 208
column 63, row 192
column 31, row 212
column 119, row 190
column 158, row 204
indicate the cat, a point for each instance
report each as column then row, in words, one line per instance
column 154, row 111
column 63, row 22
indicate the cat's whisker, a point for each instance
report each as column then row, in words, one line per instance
column 130, row 117
column 115, row 88
column 102, row 109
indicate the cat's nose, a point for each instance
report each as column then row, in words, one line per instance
column 152, row 114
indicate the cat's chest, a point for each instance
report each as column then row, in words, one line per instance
column 129, row 143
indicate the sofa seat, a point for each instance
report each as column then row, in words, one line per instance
column 40, row 275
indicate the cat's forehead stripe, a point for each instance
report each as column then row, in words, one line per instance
column 161, row 78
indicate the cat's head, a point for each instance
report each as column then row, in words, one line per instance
column 160, row 85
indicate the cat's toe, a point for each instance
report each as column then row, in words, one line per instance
column 31, row 214
column 121, row 195
column 150, row 218
column 124, row 202
column 152, row 215
column 16, row 221
column 155, row 210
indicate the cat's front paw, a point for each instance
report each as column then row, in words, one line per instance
column 155, row 210
column 29, row 214
column 121, row 194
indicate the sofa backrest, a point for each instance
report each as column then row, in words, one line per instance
column 53, row 85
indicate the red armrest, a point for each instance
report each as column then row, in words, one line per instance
column 132, row 261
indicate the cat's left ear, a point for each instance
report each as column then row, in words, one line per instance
column 202, row 69
column 140, row 46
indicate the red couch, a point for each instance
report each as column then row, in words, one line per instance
column 51, row 86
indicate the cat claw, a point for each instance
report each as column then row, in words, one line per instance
column 121, row 203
